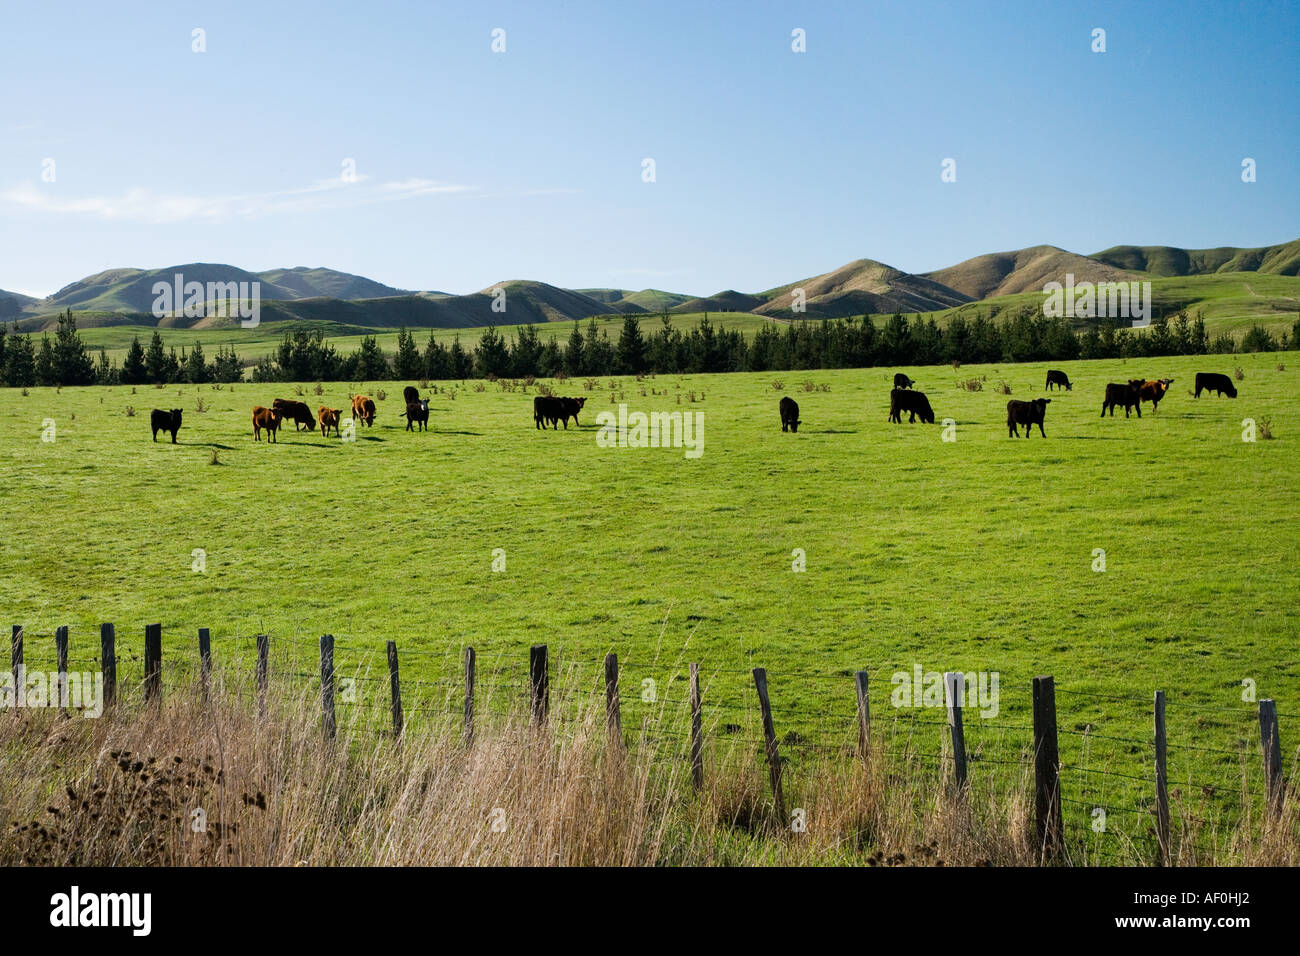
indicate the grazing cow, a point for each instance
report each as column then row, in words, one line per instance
column 571, row 407
column 546, row 410
column 1153, row 391
column 298, row 411
column 411, row 394
column 163, row 421
column 902, row 381
column 789, row 414
column 1215, row 382
column 1058, row 379
column 364, row 409
column 329, row 418
column 1028, row 414
column 268, row 418
column 417, row 411
column 915, row 403
column 1125, row 394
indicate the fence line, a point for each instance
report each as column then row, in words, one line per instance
column 683, row 718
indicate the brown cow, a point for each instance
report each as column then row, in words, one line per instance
column 364, row 409
column 267, row 418
column 329, row 418
column 1153, row 391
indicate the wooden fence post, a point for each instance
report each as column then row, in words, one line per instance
column 1047, row 769
column 205, row 664
column 540, row 681
column 769, row 737
column 16, row 663
column 613, row 710
column 1162, row 782
column 697, row 730
column 396, row 683
column 954, row 688
column 61, row 657
column 864, row 718
column 153, row 662
column 263, row 671
column 327, row 683
column 108, row 662
column 1271, row 742
column 469, row 696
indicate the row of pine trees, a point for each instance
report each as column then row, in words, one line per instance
column 306, row 356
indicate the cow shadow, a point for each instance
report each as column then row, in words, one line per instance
column 445, row 431
column 207, row 444
column 831, row 431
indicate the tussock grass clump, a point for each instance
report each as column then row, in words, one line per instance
column 130, row 411
column 972, row 385
column 1238, row 373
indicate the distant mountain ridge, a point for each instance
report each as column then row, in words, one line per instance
column 863, row 286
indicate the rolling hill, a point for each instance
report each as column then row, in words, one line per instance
column 311, row 283
column 1024, row 270
column 1282, row 259
column 861, row 287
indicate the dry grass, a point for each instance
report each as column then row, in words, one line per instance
column 194, row 786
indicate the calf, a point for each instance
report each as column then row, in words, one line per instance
column 163, row 421
column 902, row 381
column 1058, row 379
column 268, row 418
column 1215, row 382
column 417, row 412
column 789, row 414
column 364, row 409
column 571, row 407
column 411, row 394
column 915, row 403
column 298, row 411
column 1153, row 391
column 329, row 418
column 546, row 410
column 1122, row 394
column 1028, row 414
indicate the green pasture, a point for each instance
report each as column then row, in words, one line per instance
column 976, row 554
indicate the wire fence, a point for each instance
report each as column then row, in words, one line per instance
column 1111, row 805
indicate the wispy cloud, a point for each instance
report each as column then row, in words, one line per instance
column 155, row 208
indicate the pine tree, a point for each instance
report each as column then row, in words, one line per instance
column 72, row 363
column 155, row 361
column 45, row 371
column 407, row 363
column 20, row 362
column 490, row 355
column 631, row 347
column 574, row 352
column 461, row 362
column 134, row 371
column 371, row 364
column 196, row 369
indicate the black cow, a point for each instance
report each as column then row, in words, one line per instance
column 417, row 412
column 789, row 414
column 546, row 410
column 1215, row 382
column 163, row 421
column 915, row 403
column 411, row 394
column 902, row 381
column 1127, row 394
column 571, row 407
column 298, row 411
column 1028, row 414
column 1058, row 379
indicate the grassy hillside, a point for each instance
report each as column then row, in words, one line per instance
column 859, row 288
column 1230, row 302
column 976, row 554
column 1282, row 259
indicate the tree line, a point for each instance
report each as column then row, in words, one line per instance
column 306, row 356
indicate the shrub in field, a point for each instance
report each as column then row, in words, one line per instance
column 319, row 389
column 212, row 460
column 778, row 385
column 1003, row 388
column 1266, row 428
column 130, row 411
column 589, row 384
column 1239, row 373
column 480, row 386
column 380, row 394
column 972, row 385
column 200, row 405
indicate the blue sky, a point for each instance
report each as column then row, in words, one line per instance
column 474, row 166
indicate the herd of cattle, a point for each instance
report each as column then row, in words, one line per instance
column 552, row 410
column 1130, row 394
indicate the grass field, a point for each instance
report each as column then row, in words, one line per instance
column 976, row 554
